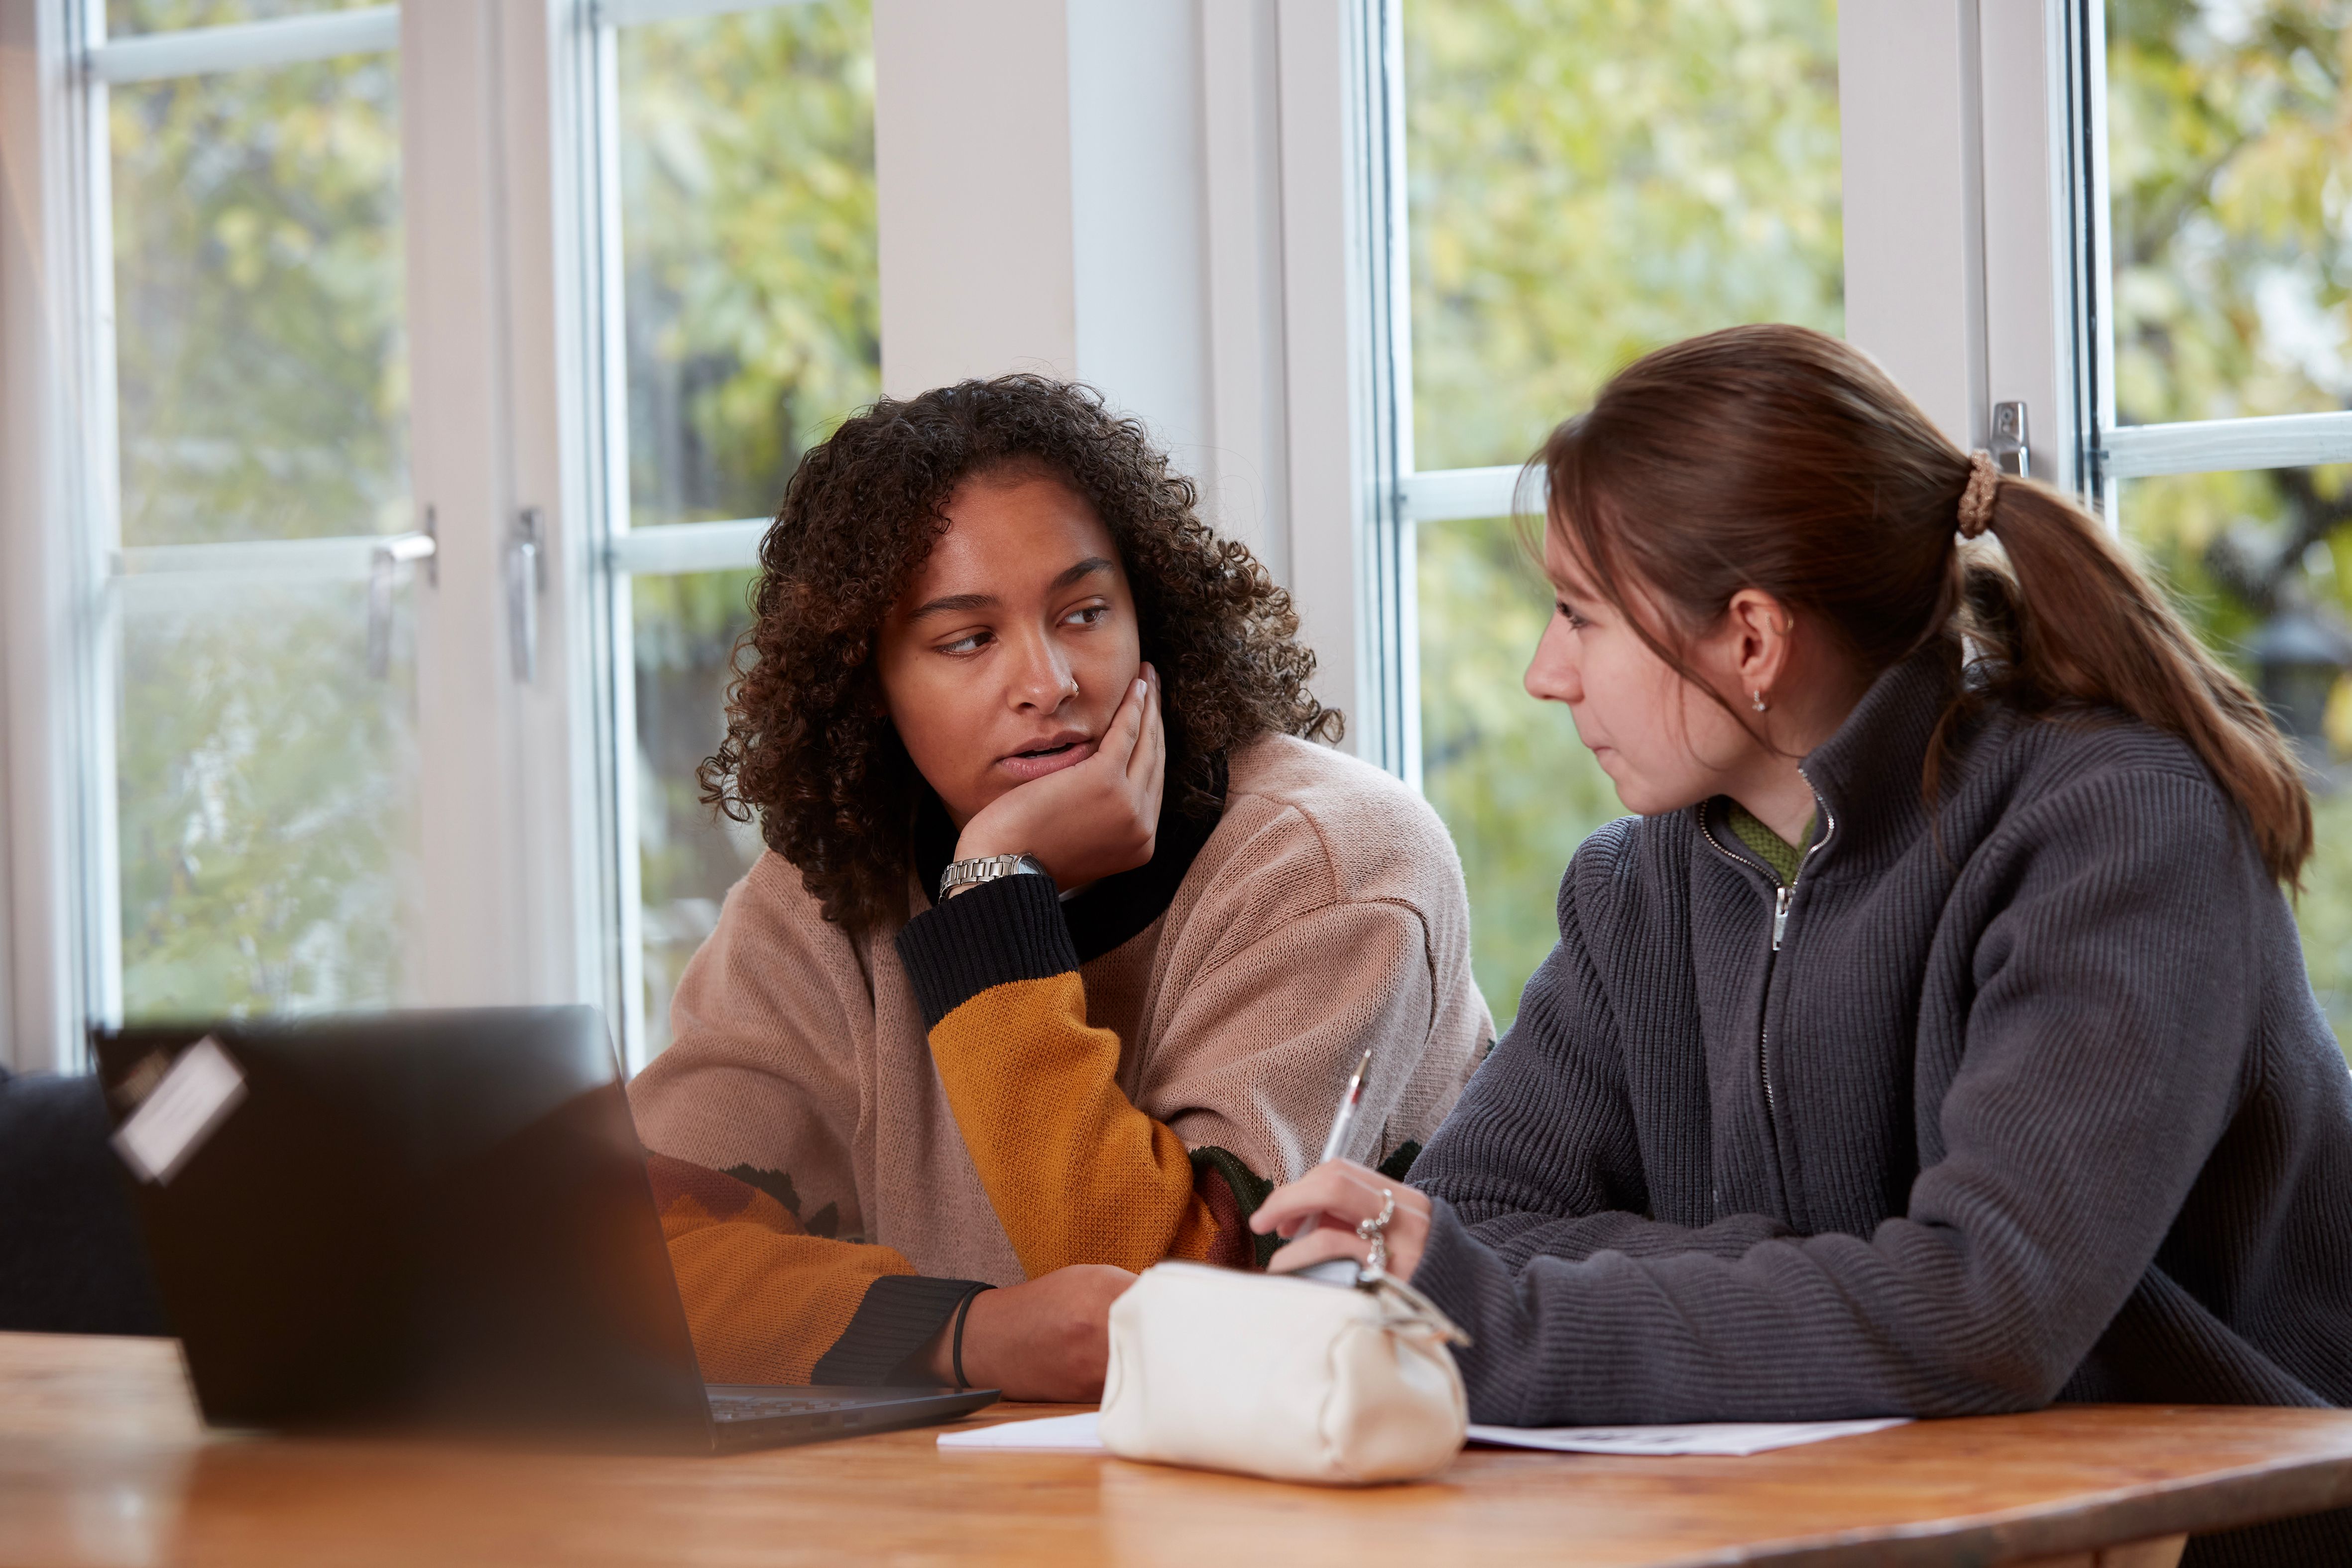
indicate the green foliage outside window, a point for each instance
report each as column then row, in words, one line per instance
column 2229, row 138
column 265, row 797
column 1591, row 179
column 1588, row 180
column 261, row 366
column 266, row 811
column 753, row 305
column 753, row 318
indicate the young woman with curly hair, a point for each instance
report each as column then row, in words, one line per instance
column 1068, row 934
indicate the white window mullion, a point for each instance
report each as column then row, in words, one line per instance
column 2215, row 446
column 1392, row 665
column 2093, row 279
column 541, row 186
column 56, row 512
column 99, row 535
column 1907, row 84
column 689, row 546
column 1450, row 495
column 632, row 13
column 471, row 875
column 499, row 843
column 2031, row 259
column 581, row 72
column 608, row 448
column 1335, row 386
column 243, row 46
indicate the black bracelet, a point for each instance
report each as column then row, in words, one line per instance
column 963, row 1309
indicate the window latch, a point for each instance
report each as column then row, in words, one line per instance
column 525, row 580
column 2010, row 454
column 384, row 570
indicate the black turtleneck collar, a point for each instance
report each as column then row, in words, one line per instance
column 1115, row 909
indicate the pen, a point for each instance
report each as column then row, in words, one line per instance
column 1339, row 1271
column 1345, row 1115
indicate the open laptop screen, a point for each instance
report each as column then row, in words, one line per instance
column 436, row 1217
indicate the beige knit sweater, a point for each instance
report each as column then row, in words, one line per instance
column 1324, row 914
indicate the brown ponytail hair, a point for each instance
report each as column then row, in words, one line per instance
column 1780, row 459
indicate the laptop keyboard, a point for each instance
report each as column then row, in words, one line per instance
column 733, row 1407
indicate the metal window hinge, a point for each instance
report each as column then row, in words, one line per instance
column 525, row 580
column 2010, row 452
column 384, row 570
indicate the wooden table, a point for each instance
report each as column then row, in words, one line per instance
column 102, row 1461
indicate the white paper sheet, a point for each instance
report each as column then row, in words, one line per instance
column 1079, row 1434
column 1072, row 1434
column 1733, row 1438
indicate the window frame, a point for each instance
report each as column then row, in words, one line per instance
column 1966, row 271
column 508, row 807
column 2115, row 452
column 520, row 399
column 51, row 568
column 619, row 553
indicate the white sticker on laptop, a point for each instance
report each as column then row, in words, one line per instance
column 173, row 1122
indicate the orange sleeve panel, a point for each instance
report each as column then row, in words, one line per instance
column 766, row 1301
column 1076, row 1172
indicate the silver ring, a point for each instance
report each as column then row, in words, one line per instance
column 1373, row 1232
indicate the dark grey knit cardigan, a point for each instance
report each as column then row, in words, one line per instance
column 2035, row 1106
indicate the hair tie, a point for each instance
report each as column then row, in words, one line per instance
column 1976, row 501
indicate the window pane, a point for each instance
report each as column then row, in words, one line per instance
column 747, row 224
column 260, row 363
column 266, row 780
column 1587, row 180
column 1515, row 787
column 127, row 16
column 1591, row 179
column 2227, row 143
column 2262, row 562
column 685, row 629
column 267, row 813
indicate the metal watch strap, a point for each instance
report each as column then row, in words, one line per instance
column 988, row 868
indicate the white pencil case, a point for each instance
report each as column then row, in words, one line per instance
column 1279, row 1376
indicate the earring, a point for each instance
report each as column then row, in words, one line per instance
column 1760, row 701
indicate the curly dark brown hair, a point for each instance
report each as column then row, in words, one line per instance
column 809, row 748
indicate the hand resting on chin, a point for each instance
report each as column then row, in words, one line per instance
column 1092, row 819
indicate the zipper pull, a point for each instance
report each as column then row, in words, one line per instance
column 1780, row 913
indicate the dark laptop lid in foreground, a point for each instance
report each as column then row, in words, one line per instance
column 435, row 1219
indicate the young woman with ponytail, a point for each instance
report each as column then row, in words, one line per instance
column 1936, row 1041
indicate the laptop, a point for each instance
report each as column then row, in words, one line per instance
column 430, row 1221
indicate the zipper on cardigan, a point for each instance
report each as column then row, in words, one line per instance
column 1783, row 896
column 1763, row 1032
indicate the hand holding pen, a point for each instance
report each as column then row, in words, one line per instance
column 1325, row 1214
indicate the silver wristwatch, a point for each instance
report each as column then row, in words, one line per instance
column 988, row 868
